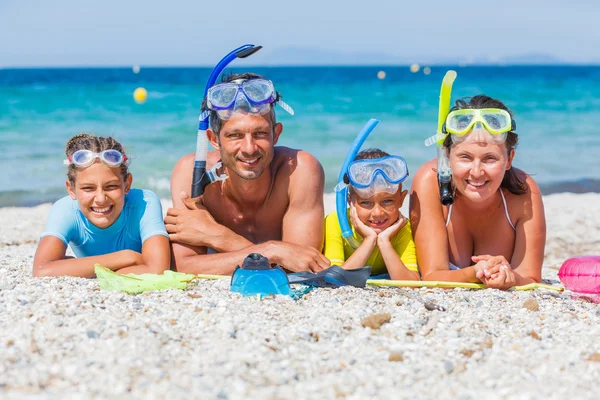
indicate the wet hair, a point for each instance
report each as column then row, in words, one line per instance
column 512, row 181
column 97, row 144
column 216, row 123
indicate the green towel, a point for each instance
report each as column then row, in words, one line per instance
column 134, row 284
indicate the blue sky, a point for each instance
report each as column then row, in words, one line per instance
column 198, row 32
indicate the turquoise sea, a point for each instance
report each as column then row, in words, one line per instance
column 557, row 109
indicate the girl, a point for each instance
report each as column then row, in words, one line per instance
column 103, row 219
column 384, row 234
column 495, row 230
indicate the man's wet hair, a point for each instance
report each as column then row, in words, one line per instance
column 216, row 123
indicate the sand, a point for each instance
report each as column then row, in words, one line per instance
column 66, row 337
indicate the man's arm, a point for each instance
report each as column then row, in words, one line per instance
column 189, row 221
column 304, row 219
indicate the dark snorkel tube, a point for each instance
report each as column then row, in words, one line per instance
column 341, row 189
column 444, row 171
column 201, row 177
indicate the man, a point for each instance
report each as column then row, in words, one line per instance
column 272, row 202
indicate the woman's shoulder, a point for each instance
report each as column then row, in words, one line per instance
column 426, row 174
column 520, row 204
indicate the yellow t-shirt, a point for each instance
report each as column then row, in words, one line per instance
column 337, row 250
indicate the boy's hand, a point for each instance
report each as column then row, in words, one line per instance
column 391, row 230
column 365, row 231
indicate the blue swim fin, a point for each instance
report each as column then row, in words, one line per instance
column 256, row 276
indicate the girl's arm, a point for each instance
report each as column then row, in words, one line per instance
column 50, row 260
column 156, row 257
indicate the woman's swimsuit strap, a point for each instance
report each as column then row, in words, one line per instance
column 505, row 210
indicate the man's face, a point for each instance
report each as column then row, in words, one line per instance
column 246, row 143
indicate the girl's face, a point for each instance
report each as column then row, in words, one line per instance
column 100, row 191
column 479, row 167
column 379, row 211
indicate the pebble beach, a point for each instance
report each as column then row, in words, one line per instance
column 65, row 337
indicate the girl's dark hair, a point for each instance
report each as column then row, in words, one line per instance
column 513, row 182
column 96, row 144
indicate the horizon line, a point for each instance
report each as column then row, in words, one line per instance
column 422, row 65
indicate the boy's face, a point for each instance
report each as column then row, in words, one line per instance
column 379, row 211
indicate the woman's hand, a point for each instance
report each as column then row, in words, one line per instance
column 365, row 231
column 497, row 273
column 391, row 230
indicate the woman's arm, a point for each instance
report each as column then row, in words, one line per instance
column 50, row 260
column 530, row 240
column 429, row 230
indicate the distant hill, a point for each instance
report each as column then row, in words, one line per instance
column 313, row 56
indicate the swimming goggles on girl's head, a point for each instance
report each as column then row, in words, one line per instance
column 371, row 176
column 85, row 158
column 252, row 96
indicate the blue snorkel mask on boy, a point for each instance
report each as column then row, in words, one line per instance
column 367, row 177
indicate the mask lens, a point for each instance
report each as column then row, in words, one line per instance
column 112, row 157
column 497, row 122
column 459, row 123
column 259, row 90
column 83, row 157
column 223, row 95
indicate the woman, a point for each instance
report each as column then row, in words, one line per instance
column 495, row 230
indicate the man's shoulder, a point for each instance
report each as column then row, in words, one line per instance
column 296, row 160
column 188, row 160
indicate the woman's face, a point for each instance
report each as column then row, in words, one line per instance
column 479, row 167
column 100, row 192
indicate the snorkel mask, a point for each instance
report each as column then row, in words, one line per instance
column 367, row 177
column 371, row 176
column 201, row 177
column 250, row 96
column 479, row 125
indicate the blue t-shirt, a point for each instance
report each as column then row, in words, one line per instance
column 140, row 219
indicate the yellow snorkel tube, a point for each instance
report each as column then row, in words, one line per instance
column 443, row 163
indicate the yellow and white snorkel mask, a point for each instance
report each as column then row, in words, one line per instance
column 476, row 125
column 479, row 125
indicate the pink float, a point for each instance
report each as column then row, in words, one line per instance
column 581, row 274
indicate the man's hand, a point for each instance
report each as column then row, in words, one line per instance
column 296, row 258
column 194, row 226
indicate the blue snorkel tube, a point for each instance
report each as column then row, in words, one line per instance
column 202, row 177
column 341, row 189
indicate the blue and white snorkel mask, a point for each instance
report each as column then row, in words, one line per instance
column 371, row 176
column 367, row 177
column 250, row 96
